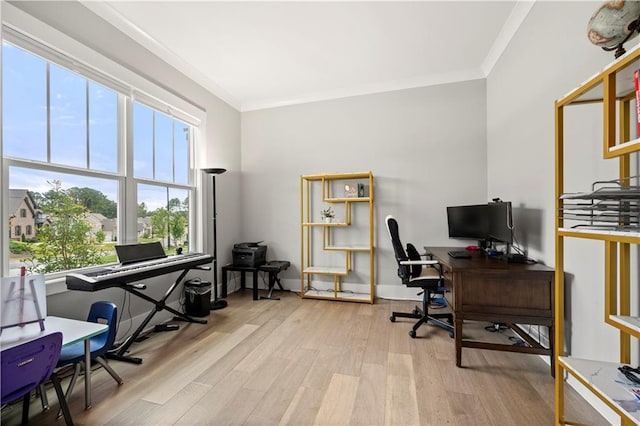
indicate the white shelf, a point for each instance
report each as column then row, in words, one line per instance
column 344, row 247
column 340, row 295
column 629, row 144
column 600, row 234
column 627, row 323
column 325, row 224
column 604, row 379
column 328, row 270
column 348, row 200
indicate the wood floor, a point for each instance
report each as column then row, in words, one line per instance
column 314, row 362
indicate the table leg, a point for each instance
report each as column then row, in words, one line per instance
column 458, row 338
column 224, row 283
column 87, row 374
column 255, row 285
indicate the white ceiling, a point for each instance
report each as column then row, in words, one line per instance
column 262, row 54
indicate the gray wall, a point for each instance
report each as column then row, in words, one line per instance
column 426, row 148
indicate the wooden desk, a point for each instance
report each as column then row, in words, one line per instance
column 73, row 331
column 484, row 288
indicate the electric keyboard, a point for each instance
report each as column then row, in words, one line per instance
column 120, row 275
column 459, row 254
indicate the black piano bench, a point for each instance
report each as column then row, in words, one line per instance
column 274, row 267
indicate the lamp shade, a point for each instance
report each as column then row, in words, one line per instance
column 214, row 171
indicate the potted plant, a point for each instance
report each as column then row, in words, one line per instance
column 327, row 215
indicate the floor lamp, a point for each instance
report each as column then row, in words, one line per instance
column 217, row 303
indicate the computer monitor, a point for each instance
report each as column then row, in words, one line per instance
column 500, row 222
column 486, row 223
column 468, row 222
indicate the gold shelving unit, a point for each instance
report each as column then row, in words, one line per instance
column 332, row 251
column 612, row 90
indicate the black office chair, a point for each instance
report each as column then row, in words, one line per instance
column 412, row 274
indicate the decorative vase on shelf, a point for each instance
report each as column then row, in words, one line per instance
column 327, row 215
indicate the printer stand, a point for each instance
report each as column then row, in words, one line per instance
column 272, row 267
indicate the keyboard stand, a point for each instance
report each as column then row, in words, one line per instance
column 159, row 305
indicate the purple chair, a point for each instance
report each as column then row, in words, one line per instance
column 27, row 366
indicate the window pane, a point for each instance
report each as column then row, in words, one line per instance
column 163, row 147
column 68, row 108
column 181, row 149
column 163, row 215
column 103, row 128
column 142, row 141
column 74, row 218
column 24, row 101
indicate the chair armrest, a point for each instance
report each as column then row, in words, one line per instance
column 419, row 262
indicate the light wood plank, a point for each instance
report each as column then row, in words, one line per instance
column 401, row 406
column 143, row 412
column 370, row 400
column 338, row 400
column 197, row 361
column 278, row 399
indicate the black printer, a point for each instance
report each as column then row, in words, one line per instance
column 249, row 254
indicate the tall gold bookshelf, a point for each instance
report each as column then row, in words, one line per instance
column 612, row 90
column 333, row 250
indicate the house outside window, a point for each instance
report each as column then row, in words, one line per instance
column 64, row 138
column 28, row 230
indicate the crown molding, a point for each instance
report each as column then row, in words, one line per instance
column 115, row 18
column 509, row 29
column 371, row 89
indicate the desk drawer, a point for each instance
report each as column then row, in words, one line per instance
column 529, row 295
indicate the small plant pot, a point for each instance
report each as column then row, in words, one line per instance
column 327, row 219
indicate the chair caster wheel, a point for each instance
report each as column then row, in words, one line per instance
column 392, row 318
column 412, row 333
column 416, row 311
column 451, row 334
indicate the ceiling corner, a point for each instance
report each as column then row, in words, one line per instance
column 509, row 29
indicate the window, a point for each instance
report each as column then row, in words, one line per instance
column 161, row 153
column 64, row 143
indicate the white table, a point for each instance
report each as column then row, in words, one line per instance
column 73, row 331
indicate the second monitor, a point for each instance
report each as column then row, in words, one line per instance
column 486, row 223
